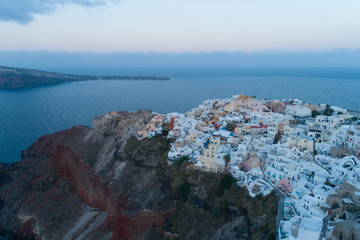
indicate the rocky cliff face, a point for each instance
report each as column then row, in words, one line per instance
column 101, row 183
column 80, row 184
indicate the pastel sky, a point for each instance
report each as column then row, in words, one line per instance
column 105, row 26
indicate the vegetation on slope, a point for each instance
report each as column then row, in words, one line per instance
column 210, row 204
column 208, row 201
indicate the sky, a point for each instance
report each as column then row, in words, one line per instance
column 179, row 33
column 107, row 26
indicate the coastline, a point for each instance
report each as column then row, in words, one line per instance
column 18, row 78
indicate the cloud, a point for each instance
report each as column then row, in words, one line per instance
column 22, row 11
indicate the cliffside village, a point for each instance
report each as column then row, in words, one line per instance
column 309, row 153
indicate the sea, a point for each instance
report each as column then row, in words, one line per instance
column 27, row 114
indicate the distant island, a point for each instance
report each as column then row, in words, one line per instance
column 12, row 78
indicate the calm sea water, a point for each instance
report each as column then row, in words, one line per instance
column 28, row 114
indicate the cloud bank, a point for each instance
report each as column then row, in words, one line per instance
column 22, row 11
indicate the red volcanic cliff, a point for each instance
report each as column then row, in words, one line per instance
column 80, row 184
column 95, row 193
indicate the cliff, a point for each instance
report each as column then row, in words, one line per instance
column 12, row 78
column 101, row 183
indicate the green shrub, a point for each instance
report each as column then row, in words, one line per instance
column 272, row 236
column 131, row 144
column 230, row 127
column 165, row 144
column 328, row 110
column 164, row 132
column 225, row 183
column 181, row 160
column 277, row 138
column 314, row 113
column 183, row 191
column 218, row 212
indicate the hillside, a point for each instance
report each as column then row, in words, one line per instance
column 102, row 183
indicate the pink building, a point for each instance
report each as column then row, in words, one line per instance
column 244, row 167
column 276, row 106
column 284, row 186
column 151, row 127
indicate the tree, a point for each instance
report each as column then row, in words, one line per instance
column 227, row 160
column 314, row 113
column 277, row 138
column 328, row 110
column 226, row 181
column 164, row 132
column 230, row 127
column 354, row 119
column 183, row 191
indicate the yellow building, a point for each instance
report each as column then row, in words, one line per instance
column 253, row 161
column 214, row 141
column 245, row 98
column 209, row 158
column 238, row 131
column 306, row 144
column 229, row 108
column 246, row 129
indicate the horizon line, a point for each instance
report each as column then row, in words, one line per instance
column 278, row 50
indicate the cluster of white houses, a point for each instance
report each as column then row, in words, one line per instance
column 313, row 161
